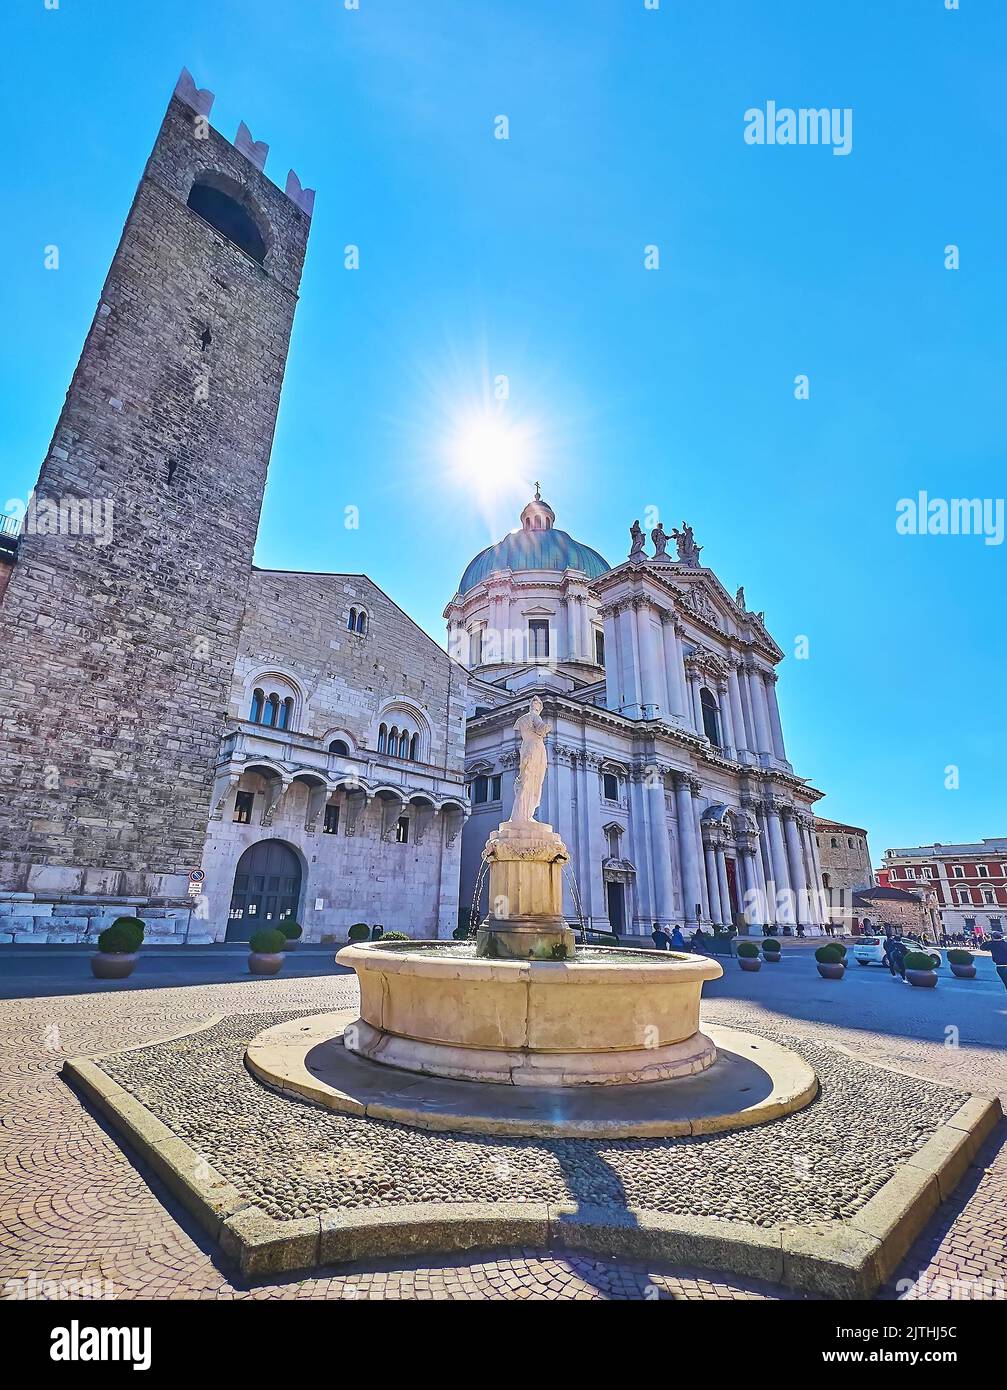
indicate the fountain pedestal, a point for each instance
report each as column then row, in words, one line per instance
column 525, row 919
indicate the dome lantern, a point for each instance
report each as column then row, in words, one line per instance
column 538, row 515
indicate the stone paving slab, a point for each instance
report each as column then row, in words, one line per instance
column 625, row 1205
column 76, row 1211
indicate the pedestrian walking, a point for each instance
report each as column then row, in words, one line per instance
column 998, row 950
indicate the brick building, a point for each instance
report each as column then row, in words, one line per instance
column 969, row 881
column 845, row 867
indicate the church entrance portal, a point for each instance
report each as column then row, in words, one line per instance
column 616, row 893
column 267, row 886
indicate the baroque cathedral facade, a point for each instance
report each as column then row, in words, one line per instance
column 214, row 746
column 668, row 776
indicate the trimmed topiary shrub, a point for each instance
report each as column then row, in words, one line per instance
column 832, row 954
column 395, row 936
column 292, row 930
column 360, row 931
column 956, row 956
column 838, row 945
column 748, row 950
column 267, row 941
column 124, row 937
column 771, row 944
column 918, row 960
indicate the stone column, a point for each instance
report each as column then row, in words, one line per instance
column 726, row 721
column 778, row 859
column 639, row 848
column 593, row 892
column 795, row 863
column 649, row 670
column 741, row 740
column 712, row 885
column 776, row 728
column 660, row 848
column 587, row 640
column 629, row 662
column 563, row 822
column 761, row 709
column 725, row 891
column 687, row 847
column 697, row 703
column 752, row 890
column 674, row 670
column 818, row 910
column 745, row 686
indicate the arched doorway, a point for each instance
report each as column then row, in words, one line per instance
column 267, row 887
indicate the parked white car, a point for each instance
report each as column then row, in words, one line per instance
column 870, row 950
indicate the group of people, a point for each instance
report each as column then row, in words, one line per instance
column 668, row 941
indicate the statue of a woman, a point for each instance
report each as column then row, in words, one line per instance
column 531, row 728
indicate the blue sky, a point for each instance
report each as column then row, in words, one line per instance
column 630, row 388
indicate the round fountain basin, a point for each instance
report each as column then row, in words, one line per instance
column 610, row 1016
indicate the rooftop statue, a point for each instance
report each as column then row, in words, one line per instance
column 636, row 550
column 688, row 550
column 660, row 538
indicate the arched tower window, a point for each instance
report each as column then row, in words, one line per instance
column 339, row 745
column 229, row 218
column 404, row 744
column 711, row 721
column 383, row 739
column 414, row 747
column 272, row 711
column 258, row 700
column 361, row 622
column 351, row 621
column 286, row 713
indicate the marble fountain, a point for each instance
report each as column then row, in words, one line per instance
column 524, row 1032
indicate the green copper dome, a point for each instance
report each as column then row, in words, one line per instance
column 537, row 546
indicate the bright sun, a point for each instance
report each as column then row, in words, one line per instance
column 490, row 455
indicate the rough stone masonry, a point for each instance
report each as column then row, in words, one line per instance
column 116, row 660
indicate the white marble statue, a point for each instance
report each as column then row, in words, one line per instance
column 531, row 729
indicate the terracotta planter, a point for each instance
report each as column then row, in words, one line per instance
column 773, row 956
column 109, row 965
column 265, row 963
column 750, row 963
column 830, row 970
column 922, row 979
column 963, row 972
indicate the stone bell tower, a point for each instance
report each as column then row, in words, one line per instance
column 119, row 625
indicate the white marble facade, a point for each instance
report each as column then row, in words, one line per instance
column 668, row 775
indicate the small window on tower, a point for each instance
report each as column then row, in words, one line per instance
column 599, row 647
column 402, row 830
column 243, row 807
column 229, row 218
column 611, row 786
column 331, row 823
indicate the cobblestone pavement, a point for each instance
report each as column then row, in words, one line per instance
column 74, row 1207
